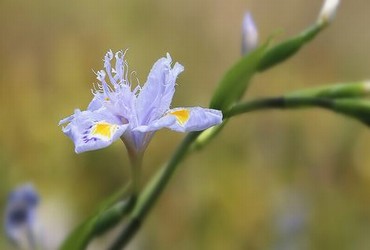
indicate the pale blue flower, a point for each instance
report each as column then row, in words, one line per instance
column 20, row 216
column 118, row 111
column 249, row 34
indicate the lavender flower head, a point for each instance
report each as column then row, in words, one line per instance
column 20, row 215
column 118, row 111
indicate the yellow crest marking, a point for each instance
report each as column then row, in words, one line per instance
column 103, row 129
column 182, row 115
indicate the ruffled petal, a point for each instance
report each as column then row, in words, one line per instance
column 185, row 120
column 156, row 95
column 92, row 130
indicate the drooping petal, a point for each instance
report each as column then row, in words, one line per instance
column 185, row 120
column 156, row 95
column 93, row 130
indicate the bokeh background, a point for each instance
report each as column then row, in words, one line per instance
column 271, row 180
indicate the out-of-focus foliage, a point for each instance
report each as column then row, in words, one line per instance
column 269, row 181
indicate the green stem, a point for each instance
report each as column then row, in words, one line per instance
column 108, row 214
column 282, row 102
column 136, row 161
column 136, row 165
column 260, row 104
column 152, row 192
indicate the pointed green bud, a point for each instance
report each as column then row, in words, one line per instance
column 288, row 48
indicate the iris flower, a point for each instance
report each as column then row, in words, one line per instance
column 118, row 111
column 20, row 216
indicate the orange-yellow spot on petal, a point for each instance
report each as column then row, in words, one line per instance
column 103, row 129
column 182, row 115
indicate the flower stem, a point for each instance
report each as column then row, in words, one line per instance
column 136, row 161
column 152, row 192
column 136, row 165
column 282, row 102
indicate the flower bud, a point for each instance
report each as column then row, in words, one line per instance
column 328, row 11
column 249, row 34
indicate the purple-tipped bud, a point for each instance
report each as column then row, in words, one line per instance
column 249, row 34
column 20, row 215
column 328, row 11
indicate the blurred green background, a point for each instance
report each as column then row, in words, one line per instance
column 271, row 180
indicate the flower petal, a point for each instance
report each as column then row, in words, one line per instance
column 156, row 95
column 96, row 102
column 93, row 130
column 165, row 122
column 185, row 120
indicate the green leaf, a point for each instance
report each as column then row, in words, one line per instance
column 109, row 213
column 80, row 237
